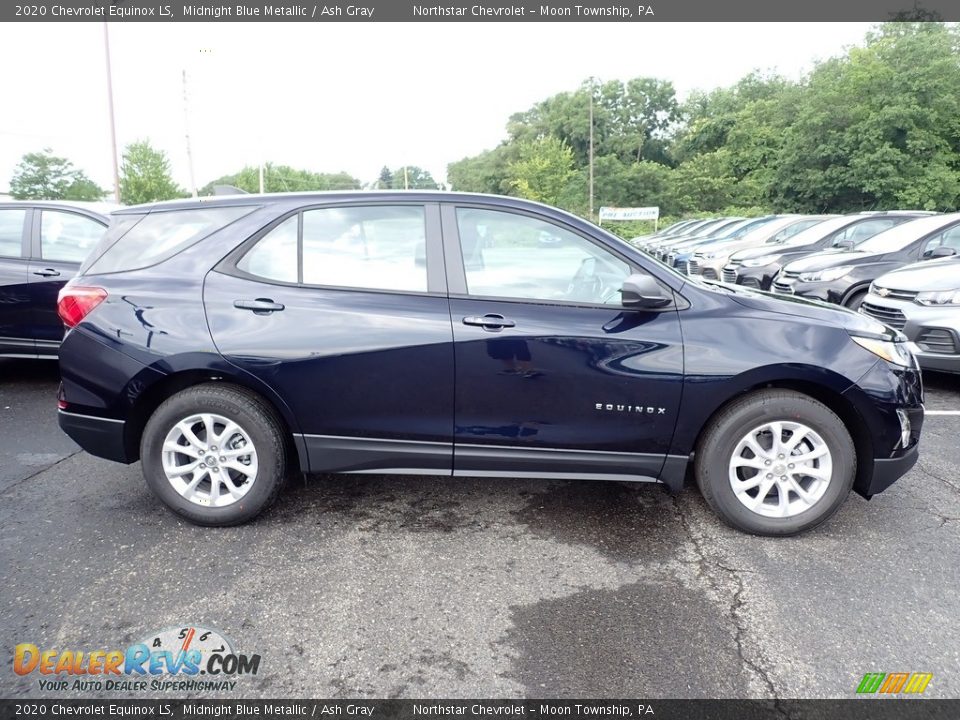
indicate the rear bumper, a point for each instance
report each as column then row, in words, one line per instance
column 886, row 471
column 102, row 437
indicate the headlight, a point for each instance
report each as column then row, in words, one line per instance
column 760, row 261
column 834, row 273
column 939, row 297
column 892, row 352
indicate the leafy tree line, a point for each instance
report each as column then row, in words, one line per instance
column 145, row 177
column 878, row 128
column 44, row 176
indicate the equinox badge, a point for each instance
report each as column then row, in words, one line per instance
column 648, row 410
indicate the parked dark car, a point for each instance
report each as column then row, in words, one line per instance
column 41, row 246
column 664, row 249
column 756, row 267
column 672, row 229
column 682, row 253
column 844, row 277
column 697, row 227
column 225, row 343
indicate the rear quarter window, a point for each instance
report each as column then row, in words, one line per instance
column 134, row 242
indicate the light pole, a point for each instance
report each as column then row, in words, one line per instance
column 113, row 126
column 186, row 134
column 591, row 149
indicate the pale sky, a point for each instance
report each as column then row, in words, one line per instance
column 347, row 96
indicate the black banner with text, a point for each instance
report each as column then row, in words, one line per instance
column 446, row 11
column 855, row 709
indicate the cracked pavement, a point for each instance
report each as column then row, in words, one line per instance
column 372, row 586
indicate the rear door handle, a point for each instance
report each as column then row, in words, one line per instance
column 490, row 321
column 260, row 306
column 47, row 272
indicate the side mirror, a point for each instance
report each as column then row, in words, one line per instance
column 642, row 291
column 844, row 244
column 942, row 251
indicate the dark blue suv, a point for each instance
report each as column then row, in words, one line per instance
column 227, row 342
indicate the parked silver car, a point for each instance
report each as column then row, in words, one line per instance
column 923, row 301
column 710, row 258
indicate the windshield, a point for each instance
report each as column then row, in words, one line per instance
column 793, row 227
column 741, row 228
column 899, row 237
column 722, row 227
column 817, row 232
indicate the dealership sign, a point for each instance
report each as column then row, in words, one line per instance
column 644, row 213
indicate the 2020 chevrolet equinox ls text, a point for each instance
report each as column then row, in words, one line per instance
column 226, row 342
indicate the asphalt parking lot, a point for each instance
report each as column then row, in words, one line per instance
column 369, row 586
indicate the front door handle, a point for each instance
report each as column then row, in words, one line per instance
column 47, row 272
column 490, row 321
column 260, row 306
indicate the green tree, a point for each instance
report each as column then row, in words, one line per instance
column 283, row 178
column 483, row 173
column 145, row 175
column 704, row 183
column 879, row 128
column 385, row 180
column 620, row 184
column 44, row 176
column 409, row 177
column 542, row 169
column 631, row 121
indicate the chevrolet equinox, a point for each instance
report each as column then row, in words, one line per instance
column 226, row 342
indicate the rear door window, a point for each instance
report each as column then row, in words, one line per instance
column 274, row 257
column 67, row 236
column 378, row 247
column 11, row 232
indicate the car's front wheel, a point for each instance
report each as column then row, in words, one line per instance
column 214, row 454
column 776, row 462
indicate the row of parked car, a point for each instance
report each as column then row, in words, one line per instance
column 899, row 267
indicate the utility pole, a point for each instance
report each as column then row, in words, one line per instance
column 186, row 135
column 406, row 181
column 113, row 125
column 591, row 149
column 261, row 176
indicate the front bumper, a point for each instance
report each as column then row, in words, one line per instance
column 102, row 437
column 712, row 269
column 884, row 398
column 934, row 331
column 833, row 291
column 758, row 278
column 886, row 471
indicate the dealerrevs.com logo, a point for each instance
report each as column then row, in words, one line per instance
column 181, row 659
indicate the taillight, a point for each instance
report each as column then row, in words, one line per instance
column 76, row 302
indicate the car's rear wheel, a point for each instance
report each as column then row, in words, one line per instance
column 214, row 454
column 776, row 462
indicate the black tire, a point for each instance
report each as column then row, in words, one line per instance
column 717, row 445
column 854, row 301
column 256, row 417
